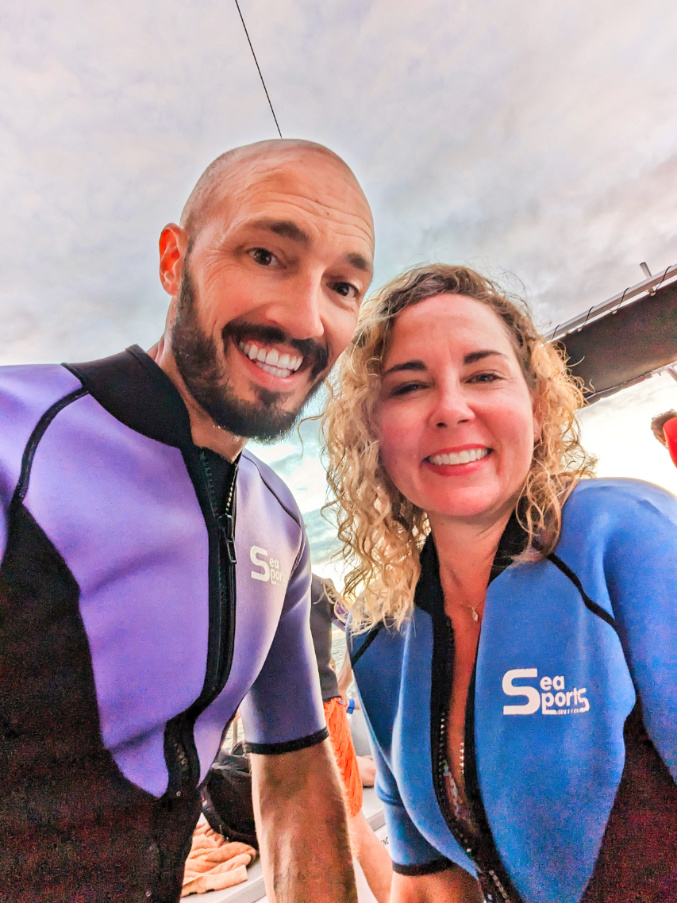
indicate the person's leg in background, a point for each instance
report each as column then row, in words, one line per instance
column 369, row 851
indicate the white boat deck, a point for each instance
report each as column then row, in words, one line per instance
column 253, row 890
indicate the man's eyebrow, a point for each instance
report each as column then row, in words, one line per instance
column 285, row 228
column 359, row 262
column 415, row 366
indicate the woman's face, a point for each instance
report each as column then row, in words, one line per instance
column 455, row 420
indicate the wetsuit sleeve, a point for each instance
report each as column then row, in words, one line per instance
column 641, row 572
column 283, row 711
column 409, row 850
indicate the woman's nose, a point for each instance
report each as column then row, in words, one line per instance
column 452, row 407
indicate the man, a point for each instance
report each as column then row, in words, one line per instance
column 153, row 574
column 664, row 428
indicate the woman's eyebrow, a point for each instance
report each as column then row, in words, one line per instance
column 475, row 356
column 417, row 366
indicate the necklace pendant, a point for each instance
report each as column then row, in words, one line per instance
column 475, row 616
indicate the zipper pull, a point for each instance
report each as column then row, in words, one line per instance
column 226, row 524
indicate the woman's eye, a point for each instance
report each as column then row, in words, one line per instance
column 263, row 257
column 484, row 377
column 405, row 389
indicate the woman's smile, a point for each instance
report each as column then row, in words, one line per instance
column 457, row 457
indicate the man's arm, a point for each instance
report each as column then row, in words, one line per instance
column 301, row 826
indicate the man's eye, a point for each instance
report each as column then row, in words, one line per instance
column 345, row 289
column 262, row 256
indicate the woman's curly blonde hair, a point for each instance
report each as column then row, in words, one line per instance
column 382, row 532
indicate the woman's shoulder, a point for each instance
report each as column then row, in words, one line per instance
column 629, row 504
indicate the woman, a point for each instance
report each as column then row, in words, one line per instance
column 514, row 642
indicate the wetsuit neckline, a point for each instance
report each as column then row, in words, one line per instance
column 428, row 595
column 138, row 393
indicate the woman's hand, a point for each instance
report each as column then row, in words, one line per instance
column 451, row 886
column 367, row 769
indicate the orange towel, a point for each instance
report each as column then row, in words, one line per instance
column 344, row 752
column 214, row 864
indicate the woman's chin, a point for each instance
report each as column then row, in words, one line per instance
column 475, row 508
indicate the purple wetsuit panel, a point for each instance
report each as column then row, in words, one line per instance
column 25, row 394
column 143, row 593
column 287, row 683
column 272, row 635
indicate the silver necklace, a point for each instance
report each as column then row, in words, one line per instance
column 476, row 616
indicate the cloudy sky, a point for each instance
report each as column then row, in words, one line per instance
column 534, row 140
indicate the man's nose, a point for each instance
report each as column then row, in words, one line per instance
column 297, row 308
column 451, row 407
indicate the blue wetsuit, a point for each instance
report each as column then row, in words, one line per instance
column 571, row 728
column 128, row 634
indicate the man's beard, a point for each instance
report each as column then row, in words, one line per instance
column 196, row 357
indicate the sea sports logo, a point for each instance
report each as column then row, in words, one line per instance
column 268, row 569
column 550, row 698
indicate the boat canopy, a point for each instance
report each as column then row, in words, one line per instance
column 624, row 340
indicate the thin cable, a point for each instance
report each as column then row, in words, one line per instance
column 259, row 68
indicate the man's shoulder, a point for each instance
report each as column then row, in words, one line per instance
column 253, row 468
column 26, row 393
column 36, row 382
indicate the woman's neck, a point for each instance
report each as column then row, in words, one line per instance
column 466, row 553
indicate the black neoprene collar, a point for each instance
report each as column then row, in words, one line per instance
column 138, row 393
column 428, row 595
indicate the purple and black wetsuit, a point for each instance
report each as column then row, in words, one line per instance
column 128, row 635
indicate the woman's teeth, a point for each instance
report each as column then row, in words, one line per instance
column 462, row 457
column 271, row 360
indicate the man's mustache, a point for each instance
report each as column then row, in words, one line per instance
column 311, row 351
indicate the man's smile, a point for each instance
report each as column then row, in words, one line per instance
column 277, row 363
column 271, row 351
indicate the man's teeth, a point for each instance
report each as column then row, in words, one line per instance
column 271, row 360
column 276, row 371
column 462, row 457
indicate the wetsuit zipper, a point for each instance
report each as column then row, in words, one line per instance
column 222, row 619
column 181, row 753
column 440, row 716
column 493, row 879
column 226, row 522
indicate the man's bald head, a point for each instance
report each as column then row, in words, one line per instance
column 234, row 170
column 266, row 272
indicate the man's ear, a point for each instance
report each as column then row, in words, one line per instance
column 173, row 244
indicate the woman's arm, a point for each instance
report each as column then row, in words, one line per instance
column 450, row 886
column 345, row 675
